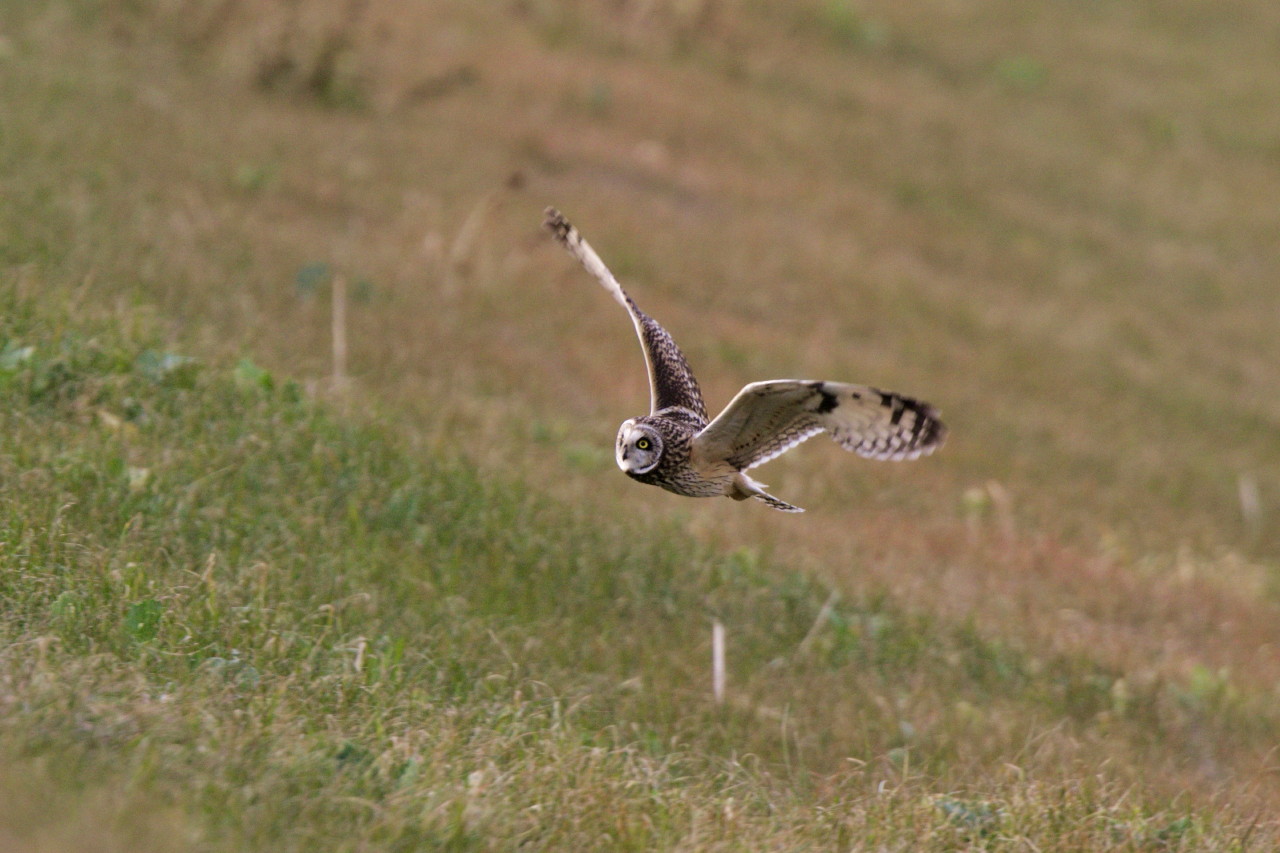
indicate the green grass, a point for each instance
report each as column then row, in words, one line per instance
column 232, row 612
column 244, row 609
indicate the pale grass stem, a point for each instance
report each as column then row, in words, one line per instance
column 1002, row 502
column 469, row 233
column 339, row 332
column 824, row 613
column 1250, row 501
column 361, row 645
column 717, row 661
column 463, row 249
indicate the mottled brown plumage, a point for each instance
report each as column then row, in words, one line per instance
column 671, row 382
column 676, row 448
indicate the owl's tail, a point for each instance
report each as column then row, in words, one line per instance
column 744, row 487
column 777, row 504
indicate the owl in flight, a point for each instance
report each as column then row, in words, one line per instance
column 676, row 446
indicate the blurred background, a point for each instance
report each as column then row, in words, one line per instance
column 1055, row 221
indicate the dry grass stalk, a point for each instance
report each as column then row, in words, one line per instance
column 717, row 661
column 339, row 326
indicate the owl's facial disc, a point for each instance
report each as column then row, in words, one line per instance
column 639, row 448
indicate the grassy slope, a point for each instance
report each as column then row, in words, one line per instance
column 234, row 620
column 964, row 244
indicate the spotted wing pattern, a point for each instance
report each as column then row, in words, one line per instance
column 671, row 382
column 767, row 419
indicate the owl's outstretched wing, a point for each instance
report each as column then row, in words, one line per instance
column 769, row 418
column 671, row 382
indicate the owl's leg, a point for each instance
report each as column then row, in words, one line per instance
column 744, row 487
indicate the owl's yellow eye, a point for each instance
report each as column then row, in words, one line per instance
column 643, row 444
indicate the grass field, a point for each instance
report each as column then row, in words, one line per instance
column 247, row 606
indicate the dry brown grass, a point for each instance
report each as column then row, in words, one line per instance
column 1056, row 222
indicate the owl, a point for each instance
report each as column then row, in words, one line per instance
column 678, row 447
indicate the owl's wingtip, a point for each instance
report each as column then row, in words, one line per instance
column 554, row 221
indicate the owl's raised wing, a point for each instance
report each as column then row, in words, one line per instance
column 671, row 382
column 769, row 418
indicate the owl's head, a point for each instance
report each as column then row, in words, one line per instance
column 639, row 447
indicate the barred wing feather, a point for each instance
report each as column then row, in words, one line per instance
column 769, row 418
